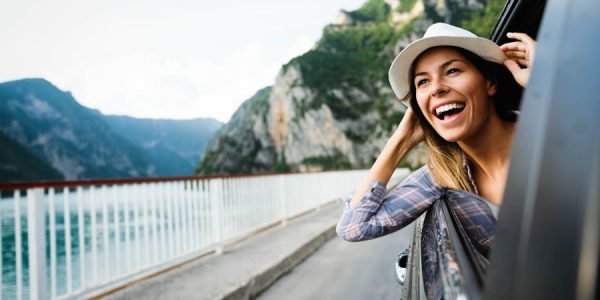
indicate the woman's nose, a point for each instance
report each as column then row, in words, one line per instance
column 438, row 89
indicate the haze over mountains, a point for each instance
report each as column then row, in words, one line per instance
column 71, row 141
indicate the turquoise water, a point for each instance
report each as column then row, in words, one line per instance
column 148, row 247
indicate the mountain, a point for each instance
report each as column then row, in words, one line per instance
column 240, row 139
column 17, row 163
column 174, row 147
column 68, row 140
column 74, row 139
column 332, row 107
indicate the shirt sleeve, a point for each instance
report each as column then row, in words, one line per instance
column 378, row 214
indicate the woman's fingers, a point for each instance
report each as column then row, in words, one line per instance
column 515, row 54
column 512, row 66
column 519, row 57
column 521, row 75
column 523, row 62
column 523, row 37
column 520, row 54
column 514, row 46
column 523, row 43
column 409, row 126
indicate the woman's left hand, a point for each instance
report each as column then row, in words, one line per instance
column 520, row 56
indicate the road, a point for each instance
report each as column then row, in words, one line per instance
column 344, row 270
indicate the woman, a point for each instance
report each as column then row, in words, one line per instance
column 461, row 106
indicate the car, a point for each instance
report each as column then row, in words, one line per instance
column 547, row 241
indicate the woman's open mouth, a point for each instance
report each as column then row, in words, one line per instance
column 446, row 110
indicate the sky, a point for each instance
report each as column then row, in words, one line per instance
column 159, row 59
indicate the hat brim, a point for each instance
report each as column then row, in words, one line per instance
column 400, row 68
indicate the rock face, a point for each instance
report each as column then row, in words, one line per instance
column 243, row 145
column 343, row 18
column 314, row 139
column 332, row 107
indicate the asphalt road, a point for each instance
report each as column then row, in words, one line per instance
column 344, row 270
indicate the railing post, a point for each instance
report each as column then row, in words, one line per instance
column 37, row 244
column 215, row 205
column 282, row 200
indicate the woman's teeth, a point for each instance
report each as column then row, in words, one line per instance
column 448, row 109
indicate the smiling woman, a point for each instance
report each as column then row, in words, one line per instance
column 459, row 99
column 463, row 103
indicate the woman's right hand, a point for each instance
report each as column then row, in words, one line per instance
column 407, row 135
column 410, row 128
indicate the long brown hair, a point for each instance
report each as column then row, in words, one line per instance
column 446, row 159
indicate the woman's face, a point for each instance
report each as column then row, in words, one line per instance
column 452, row 93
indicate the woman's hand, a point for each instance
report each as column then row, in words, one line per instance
column 520, row 56
column 410, row 128
column 407, row 135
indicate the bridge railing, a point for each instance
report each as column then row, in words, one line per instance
column 83, row 238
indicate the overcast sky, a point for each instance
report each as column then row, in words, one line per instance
column 159, row 59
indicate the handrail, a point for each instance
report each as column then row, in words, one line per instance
column 4, row 186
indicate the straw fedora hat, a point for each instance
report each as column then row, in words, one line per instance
column 439, row 34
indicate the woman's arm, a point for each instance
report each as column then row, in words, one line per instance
column 368, row 214
column 376, row 215
column 407, row 135
column 521, row 55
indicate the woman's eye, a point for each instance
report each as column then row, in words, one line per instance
column 452, row 71
column 421, row 82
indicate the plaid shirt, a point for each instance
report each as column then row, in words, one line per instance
column 378, row 214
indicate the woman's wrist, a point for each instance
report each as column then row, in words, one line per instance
column 397, row 147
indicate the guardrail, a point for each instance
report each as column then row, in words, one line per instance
column 80, row 239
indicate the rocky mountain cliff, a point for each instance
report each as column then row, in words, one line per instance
column 332, row 107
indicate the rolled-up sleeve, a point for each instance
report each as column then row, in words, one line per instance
column 378, row 214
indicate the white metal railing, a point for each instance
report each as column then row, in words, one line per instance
column 85, row 239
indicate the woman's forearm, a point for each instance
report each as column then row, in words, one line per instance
column 383, row 168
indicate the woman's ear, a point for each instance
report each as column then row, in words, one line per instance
column 491, row 88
